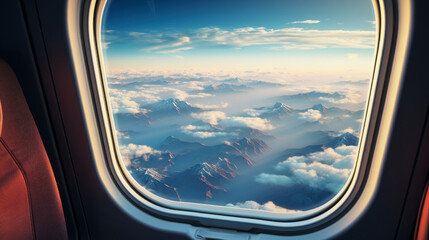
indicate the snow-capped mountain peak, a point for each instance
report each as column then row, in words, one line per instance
column 170, row 106
column 320, row 107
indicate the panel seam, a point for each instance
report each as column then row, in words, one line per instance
column 24, row 175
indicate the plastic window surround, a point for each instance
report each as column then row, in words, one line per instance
column 83, row 22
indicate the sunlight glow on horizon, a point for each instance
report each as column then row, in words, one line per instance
column 350, row 66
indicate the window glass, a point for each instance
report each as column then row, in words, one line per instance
column 252, row 104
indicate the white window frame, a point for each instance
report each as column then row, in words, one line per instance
column 393, row 28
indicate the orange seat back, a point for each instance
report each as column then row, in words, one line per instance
column 30, row 205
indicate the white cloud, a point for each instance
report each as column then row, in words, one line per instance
column 345, row 100
column 121, row 75
column 268, row 206
column 131, row 151
column 128, row 99
column 182, row 95
column 190, row 127
column 211, row 117
column 194, row 85
column 349, row 130
column 328, row 156
column 122, row 135
column 137, row 150
column 201, row 131
column 200, row 134
column 136, row 34
column 348, row 158
column 106, row 45
column 172, row 47
column 311, row 115
column 274, row 179
column 149, row 93
column 252, row 112
column 128, row 102
column 322, row 176
column 288, row 38
column 175, row 50
column 328, row 169
column 211, row 107
column 124, row 104
column 282, row 38
column 146, row 95
column 353, row 95
column 252, row 122
column 306, row 22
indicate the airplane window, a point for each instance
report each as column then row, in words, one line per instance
column 254, row 105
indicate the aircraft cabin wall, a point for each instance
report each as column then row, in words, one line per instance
column 35, row 42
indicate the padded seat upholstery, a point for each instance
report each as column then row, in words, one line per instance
column 422, row 225
column 30, row 205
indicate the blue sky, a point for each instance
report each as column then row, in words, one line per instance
column 238, row 35
column 137, row 15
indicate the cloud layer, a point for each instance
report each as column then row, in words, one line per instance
column 133, row 150
column 325, row 170
column 268, row 206
column 306, row 22
column 127, row 101
column 202, row 131
column 274, row 179
column 252, row 122
column 282, row 38
column 212, row 106
column 211, row 117
column 311, row 115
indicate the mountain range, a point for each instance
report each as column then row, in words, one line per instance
column 305, row 100
column 193, row 171
column 170, row 106
column 281, row 110
column 238, row 154
column 224, row 88
column 346, row 139
column 155, row 182
column 199, row 169
column 277, row 111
